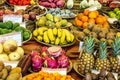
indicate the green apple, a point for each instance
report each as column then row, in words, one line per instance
column 112, row 14
column 116, row 9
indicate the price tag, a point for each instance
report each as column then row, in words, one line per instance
column 62, row 71
column 15, row 35
column 16, row 8
column 80, row 46
column 23, row 24
column 92, row 8
column 12, row 17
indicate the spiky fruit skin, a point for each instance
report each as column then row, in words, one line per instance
column 102, row 64
column 114, row 63
column 86, row 63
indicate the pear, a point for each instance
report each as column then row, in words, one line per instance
column 58, row 24
column 50, row 17
column 63, row 22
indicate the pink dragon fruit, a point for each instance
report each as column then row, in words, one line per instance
column 37, row 63
column 44, row 49
column 63, row 52
column 33, row 53
column 50, row 62
column 63, row 61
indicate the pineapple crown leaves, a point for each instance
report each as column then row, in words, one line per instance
column 116, row 47
column 103, row 50
column 89, row 44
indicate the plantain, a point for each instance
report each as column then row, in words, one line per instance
column 50, row 35
column 54, row 31
column 72, row 37
column 57, row 41
column 62, row 39
column 45, row 37
column 41, row 30
column 67, row 35
column 59, row 33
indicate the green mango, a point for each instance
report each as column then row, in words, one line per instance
column 26, row 35
column 9, row 24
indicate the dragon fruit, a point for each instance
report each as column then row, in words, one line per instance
column 50, row 62
column 44, row 49
column 33, row 53
column 37, row 63
column 63, row 61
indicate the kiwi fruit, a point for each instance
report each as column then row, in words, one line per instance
column 96, row 29
column 8, row 67
column 109, row 42
column 110, row 35
column 81, row 35
column 93, row 34
column 86, row 31
column 102, row 35
column 105, row 30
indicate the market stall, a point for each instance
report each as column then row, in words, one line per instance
column 59, row 40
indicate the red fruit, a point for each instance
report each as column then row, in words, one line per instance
column 34, row 53
column 44, row 49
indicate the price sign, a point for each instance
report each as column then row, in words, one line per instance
column 62, row 71
column 80, row 46
column 15, row 35
column 12, row 17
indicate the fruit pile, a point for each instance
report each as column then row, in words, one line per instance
column 115, row 13
column 48, row 76
column 52, row 21
column 50, row 57
column 53, row 36
column 98, row 32
column 52, row 3
column 19, row 2
column 102, row 60
column 9, row 27
column 82, row 19
column 9, row 51
column 9, row 73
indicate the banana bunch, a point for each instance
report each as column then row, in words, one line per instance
column 55, row 36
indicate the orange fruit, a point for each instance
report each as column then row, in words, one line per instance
column 106, row 25
column 91, row 20
column 104, row 18
column 99, row 20
column 97, row 13
column 80, row 16
column 86, row 12
column 78, row 22
column 85, row 25
column 92, row 15
column 84, row 18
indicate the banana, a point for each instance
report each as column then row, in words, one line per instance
column 67, row 34
column 39, row 38
column 57, row 41
column 52, row 42
column 59, row 32
column 45, row 37
column 54, row 31
column 35, row 32
column 1, row 48
column 41, row 30
column 62, row 39
column 65, row 42
column 72, row 37
column 50, row 35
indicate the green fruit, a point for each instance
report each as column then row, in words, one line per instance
column 15, row 25
column 112, row 14
column 118, row 12
column 9, row 24
column 63, row 22
column 49, row 17
column 116, row 9
column 26, row 35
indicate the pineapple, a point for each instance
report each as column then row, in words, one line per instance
column 115, row 52
column 102, row 62
column 87, row 59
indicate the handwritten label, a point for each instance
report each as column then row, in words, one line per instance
column 12, row 17
column 16, row 8
column 62, row 71
column 80, row 46
column 15, row 35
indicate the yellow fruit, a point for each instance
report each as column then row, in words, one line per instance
column 67, row 33
column 65, row 42
column 57, row 41
column 50, row 35
column 72, row 37
column 1, row 48
column 118, row 34
column 45, row 37
column 41, row 30
column 35, row 32
column 59, row 33
column 55, row 31
column 62, row 39
column 39, row 38
column 52, row 42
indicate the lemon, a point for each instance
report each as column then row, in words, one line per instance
column 35, row 32
column 39, row 38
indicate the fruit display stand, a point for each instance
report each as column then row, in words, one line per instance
column 48, row 29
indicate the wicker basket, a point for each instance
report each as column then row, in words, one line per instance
column 2, row 2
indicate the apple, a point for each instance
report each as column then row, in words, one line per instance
column 112, row 14
column 14, row 56
column 4, row 57
column 116, row 9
